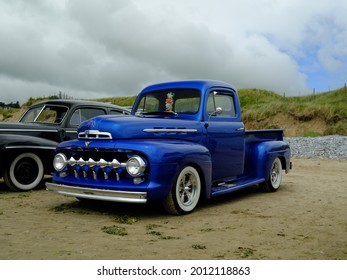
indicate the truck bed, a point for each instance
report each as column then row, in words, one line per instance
column 252, row 163
column 264, row 135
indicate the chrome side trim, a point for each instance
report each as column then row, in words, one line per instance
column 30, row 147
column 170, row 130
column 26, row 130
column 98, row 194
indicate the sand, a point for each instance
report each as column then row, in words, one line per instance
column 305, row 219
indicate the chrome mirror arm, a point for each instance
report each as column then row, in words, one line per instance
column 218, row 111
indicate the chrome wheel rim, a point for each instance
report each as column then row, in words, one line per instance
column 188, row 189
column 276, row 174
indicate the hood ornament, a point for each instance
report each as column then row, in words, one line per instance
column 91, row 124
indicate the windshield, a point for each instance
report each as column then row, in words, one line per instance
column 45, row 114
column 175, row 101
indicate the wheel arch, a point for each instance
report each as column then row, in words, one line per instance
column 205, row 176
column 178, row 154
column 264, row 153
column 45, row 154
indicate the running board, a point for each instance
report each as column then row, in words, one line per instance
column 228, row 187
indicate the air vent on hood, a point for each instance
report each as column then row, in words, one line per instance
column 94, row 134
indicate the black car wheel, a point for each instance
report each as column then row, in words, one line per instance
column 24, row 173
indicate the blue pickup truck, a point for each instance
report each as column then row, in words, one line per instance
column 184, row 141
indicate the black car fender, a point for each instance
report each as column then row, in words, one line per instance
column 13, row 144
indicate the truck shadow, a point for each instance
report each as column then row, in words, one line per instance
column 110, row 208
column 151, row 209
column 232, row 197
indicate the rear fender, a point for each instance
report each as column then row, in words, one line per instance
column 264, row 153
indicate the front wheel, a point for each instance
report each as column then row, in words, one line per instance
column 275, row 177
column 185, row 192
column 24, row 173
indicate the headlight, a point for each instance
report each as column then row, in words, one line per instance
column 135, row 166
column 59, row 162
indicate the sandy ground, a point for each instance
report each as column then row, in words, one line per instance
column 305, row 219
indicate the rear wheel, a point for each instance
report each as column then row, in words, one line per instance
column 24, row 173
column 185, row 192
column 275, row 177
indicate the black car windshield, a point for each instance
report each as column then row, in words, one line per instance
column 45, row 114
column 166, row 102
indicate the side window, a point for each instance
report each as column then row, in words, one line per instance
column 222, row 100
column 31, row 114
column 45, row 114
column 211, row 107
column 84, row 114
column 117, row 112
column 148, row 104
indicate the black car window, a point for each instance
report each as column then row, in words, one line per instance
column 31, row 114
column 84, row 114
column 45, row 114
column 117, row 112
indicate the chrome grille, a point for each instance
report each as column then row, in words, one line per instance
column 96, row 169
column 92, row 163
column 104, row 166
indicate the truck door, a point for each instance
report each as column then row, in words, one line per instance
column 225, row 135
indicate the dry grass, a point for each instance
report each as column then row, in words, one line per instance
column 313, row 115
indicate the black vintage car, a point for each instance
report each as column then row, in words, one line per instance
column 27, row 147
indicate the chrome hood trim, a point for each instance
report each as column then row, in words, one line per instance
column 170, row 130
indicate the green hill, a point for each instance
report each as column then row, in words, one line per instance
column 312, row 115
column 320, row 114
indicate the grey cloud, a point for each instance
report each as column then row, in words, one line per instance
column 114, row 48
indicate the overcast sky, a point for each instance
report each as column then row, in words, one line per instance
column 106, row 48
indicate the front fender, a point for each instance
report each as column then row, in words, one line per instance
column 14, row 141
column 164, row 173
column 165, row 157
column 166, row 160
column 11, row 143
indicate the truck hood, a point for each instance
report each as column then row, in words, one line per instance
column 136, row 127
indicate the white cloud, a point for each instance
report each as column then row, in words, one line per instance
column 114, row 48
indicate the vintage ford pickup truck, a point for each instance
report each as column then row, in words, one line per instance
column 27, row 146
column 183, row 141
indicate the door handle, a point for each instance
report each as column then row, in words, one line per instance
column 240, row 129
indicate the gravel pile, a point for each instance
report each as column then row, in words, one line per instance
column 325, row 147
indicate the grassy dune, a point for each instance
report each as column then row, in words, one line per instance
column 313, row 115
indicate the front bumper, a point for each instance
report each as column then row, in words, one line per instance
column 98, row 194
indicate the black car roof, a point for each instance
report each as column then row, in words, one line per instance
column 74, row 102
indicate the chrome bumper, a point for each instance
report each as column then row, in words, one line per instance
column 98, row 194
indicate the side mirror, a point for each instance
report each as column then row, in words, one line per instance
column 218, row 111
